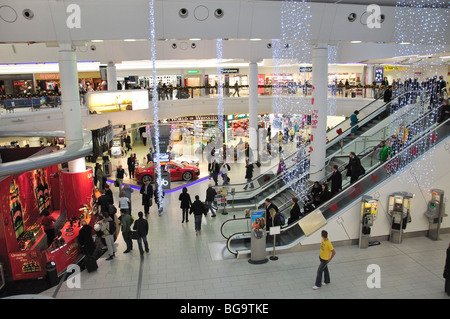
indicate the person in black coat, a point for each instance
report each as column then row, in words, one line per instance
column 354, row 168
column 295, row 211
column 336, row 181
column 269, row 205
column 104, row 201
column 186, row 203
column 249, row 174
column 147, row 195
column 141, row 227
column 447, row 272
column 315, row 192
column 198, row 209
column 210, row 196
column 325, row 195
column 85, row 239
column 308, row 206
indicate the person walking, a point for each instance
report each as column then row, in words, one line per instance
column 224, row 170
column 147, row 196
column 101, row 177
column 248, row 174
column 210, row 195
column 327, row 253
column 198, row 209
column 131, row 163
column 120, row 172
column 125, row 222
column 108, row 234
column 236, row 89
column 141, row 227
column 124, row 202
column 128, row 191
column 186, row 203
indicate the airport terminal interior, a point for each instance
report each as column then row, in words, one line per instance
column 312, row 138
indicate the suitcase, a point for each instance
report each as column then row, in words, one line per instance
column 90, row 263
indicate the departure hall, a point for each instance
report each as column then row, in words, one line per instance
column 240, row 152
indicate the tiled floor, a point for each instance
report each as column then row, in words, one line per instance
column 180, row 265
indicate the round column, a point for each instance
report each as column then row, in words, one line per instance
column 319, row 111
column 111, row 76
column 70, row 100
column 253, row 111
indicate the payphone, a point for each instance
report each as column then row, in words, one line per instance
column 399, row 211
column 435, row 213
column 369, row 211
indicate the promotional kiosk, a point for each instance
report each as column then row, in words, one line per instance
column 68, row 197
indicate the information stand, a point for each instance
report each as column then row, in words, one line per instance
column 258, row 237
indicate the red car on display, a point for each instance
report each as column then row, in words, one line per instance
column 177, row 171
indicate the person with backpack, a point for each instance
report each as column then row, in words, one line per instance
column 108, row 226
column 141, row 227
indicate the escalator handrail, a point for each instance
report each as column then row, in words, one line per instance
column 367, row 175
column 368, row 117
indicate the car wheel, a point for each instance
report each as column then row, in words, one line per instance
column 187, row 176
column 147, row 178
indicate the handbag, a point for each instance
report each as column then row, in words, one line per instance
column 116, row 183
column 134, row 234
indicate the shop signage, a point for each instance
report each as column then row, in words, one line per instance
column 48, row 76
column 102, row 140
column 307, row 69
column 192, row 71
column 229, row 71
column 194, row 118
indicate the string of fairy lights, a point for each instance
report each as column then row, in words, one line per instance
column 420, row 34
column 292, row 50
column 156, row 135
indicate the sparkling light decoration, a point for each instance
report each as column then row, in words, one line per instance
column 419, row 33
column 155, row 101
column 332, row 69
column 292, row 50
column 220, row 111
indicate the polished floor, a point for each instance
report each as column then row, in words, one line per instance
column 181, row 265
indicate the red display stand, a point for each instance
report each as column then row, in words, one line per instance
column 23, row 244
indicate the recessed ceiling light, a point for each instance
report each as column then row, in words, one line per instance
column 355, row 41
column 129, row 40
column 96, row 40
column 255, row 39
column 194, row 39
column 404, row 43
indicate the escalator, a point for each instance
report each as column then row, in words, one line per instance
column 238, row 243
column 279, row 186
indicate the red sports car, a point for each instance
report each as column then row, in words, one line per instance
column 177, row 171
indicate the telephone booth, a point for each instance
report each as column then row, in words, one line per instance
column 369, row 212
column 435, row 213
column 399, row 211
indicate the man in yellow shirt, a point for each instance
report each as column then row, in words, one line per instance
column 326, row 249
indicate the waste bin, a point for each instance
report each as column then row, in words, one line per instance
column 52, row 274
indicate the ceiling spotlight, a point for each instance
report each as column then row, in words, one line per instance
column 28, row 14
column 351, row 17
column 218, row 13
column 183, row 12
column 269, row 45
column 174, row 45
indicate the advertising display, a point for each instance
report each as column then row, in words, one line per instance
column 258, row 220
column 25, row 247
column 116, row 101
column 102, row 140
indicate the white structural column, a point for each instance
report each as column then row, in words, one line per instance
column 70, row 100
column 111, row 76
column 253, row 111
column 319, row 111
